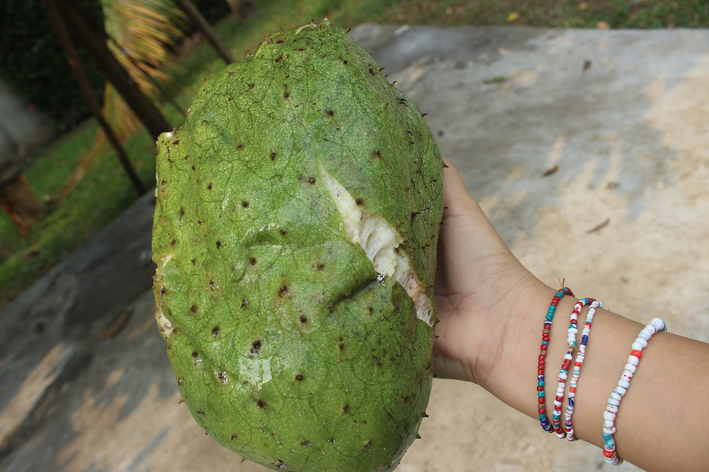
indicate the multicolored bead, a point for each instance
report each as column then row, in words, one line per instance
column 543, row 419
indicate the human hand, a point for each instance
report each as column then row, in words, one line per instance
column 481, row 289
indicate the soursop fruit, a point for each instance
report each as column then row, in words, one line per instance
column 295, row 240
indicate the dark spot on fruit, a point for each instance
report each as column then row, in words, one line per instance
column 280, row 41
column 371, row 71
column 359, row 201
column 303, row 319
column 283, row 232
column 370, row 309
column 305, row 442
column 311, row 180
column 245, row 204
column 244, row 303
column 376, row 154
column 252, row 260
column 173, row 242
column 279, row 58
column 286, row 95
column 341, row 346
column 261, row 404
column 341, row 338
column 163, row 291
column 301, row 49
column 199, row 222
column 378, row 365
column 193, row 309
column 194, row 168
column 273, row 156
column 368, row 444
column 345, row 408
column 200, row 412
column 222, row 375
column 283, row 291
column 330, row 113
column 406, row 399
column 184, row 159
column 250, row 86
column 219, row 244
column 234, row 436
column 179, row 381
column 424, row 415
column 209, row 187
column 195, row 355
column 255, row 347
column 321, row 266
column 344, row 61
column 279, row 464
column 215, row 331
column 299, row 377
column 240, row 147
column 194, row 261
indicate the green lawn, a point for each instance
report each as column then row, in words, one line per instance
column 105, row 191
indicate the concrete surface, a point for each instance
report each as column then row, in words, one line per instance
column 621, row 116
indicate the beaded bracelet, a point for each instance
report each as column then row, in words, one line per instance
column 543, row 420
column 614, row 401
column 568, row 426
column 564, row 371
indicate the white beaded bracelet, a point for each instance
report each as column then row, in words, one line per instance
column 614, row 401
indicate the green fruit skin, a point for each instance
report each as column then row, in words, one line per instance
column 285, row 346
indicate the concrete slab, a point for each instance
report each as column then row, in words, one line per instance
column 616, row 119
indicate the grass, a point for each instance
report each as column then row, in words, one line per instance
column 105, row 191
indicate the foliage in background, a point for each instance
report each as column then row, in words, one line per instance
column 32, row 61
column 105, row 192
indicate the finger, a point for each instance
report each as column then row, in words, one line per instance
column 457, row 200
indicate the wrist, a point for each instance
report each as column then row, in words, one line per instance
column 511, row 378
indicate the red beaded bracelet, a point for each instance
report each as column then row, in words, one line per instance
column 543, row 419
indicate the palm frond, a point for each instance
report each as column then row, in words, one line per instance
column 140, row 35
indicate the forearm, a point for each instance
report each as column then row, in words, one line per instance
column 662, row 423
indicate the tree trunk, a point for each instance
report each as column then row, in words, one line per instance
column 199, row 21
column 109, row 66
column 20, row 201
column 75, row 64
column 241, row 8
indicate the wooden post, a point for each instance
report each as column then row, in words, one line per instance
column 199, row 21
column 112, row 70
column 19, row 200
column 85, row 88
column 240, row 8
